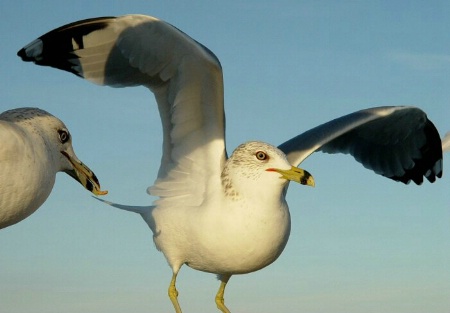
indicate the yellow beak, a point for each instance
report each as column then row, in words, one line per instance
column 295, row 174
column 84, row 175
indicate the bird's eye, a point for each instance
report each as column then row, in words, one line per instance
column 260, row 155
column 63, row 135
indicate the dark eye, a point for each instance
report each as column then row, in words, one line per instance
column 260, row 155
column 63, row 135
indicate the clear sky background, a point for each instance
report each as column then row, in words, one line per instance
column 359, row 242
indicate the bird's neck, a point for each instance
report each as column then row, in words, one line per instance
column 237, row 189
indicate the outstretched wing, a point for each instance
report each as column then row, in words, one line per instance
column 397, row 142
column 185, row 77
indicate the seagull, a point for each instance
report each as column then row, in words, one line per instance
column 35, row 145
column 214, row 213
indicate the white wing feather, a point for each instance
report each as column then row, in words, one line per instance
column 185, row 77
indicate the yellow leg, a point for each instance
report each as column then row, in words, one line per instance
column 220, row 301
column 173, row 294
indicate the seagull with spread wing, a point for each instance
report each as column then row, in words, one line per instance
column 220, row 214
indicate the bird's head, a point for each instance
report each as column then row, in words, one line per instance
column 255, row 166
column 57, row 143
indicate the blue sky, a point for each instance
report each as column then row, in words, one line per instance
column 359, row 242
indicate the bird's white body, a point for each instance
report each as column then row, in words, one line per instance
column 27, row 172
column 239, row 228
column 228, row 238
column 31, row 153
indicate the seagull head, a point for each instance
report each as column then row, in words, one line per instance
column 255, row 164
column 56, row 139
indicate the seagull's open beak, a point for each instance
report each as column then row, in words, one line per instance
column 295, row 174
column 84, row 175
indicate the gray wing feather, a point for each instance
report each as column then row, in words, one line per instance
column 400, row 143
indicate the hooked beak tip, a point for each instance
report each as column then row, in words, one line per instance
column 84, row 175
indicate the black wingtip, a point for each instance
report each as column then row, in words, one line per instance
column 23, row 55
column 56, row 48
column 430, row 165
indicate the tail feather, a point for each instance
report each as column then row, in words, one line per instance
column 144, row 211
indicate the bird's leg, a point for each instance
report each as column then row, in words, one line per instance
column 220, row 301
column 173, row 294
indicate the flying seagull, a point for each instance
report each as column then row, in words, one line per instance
column 220, row 214
column 35, row 145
